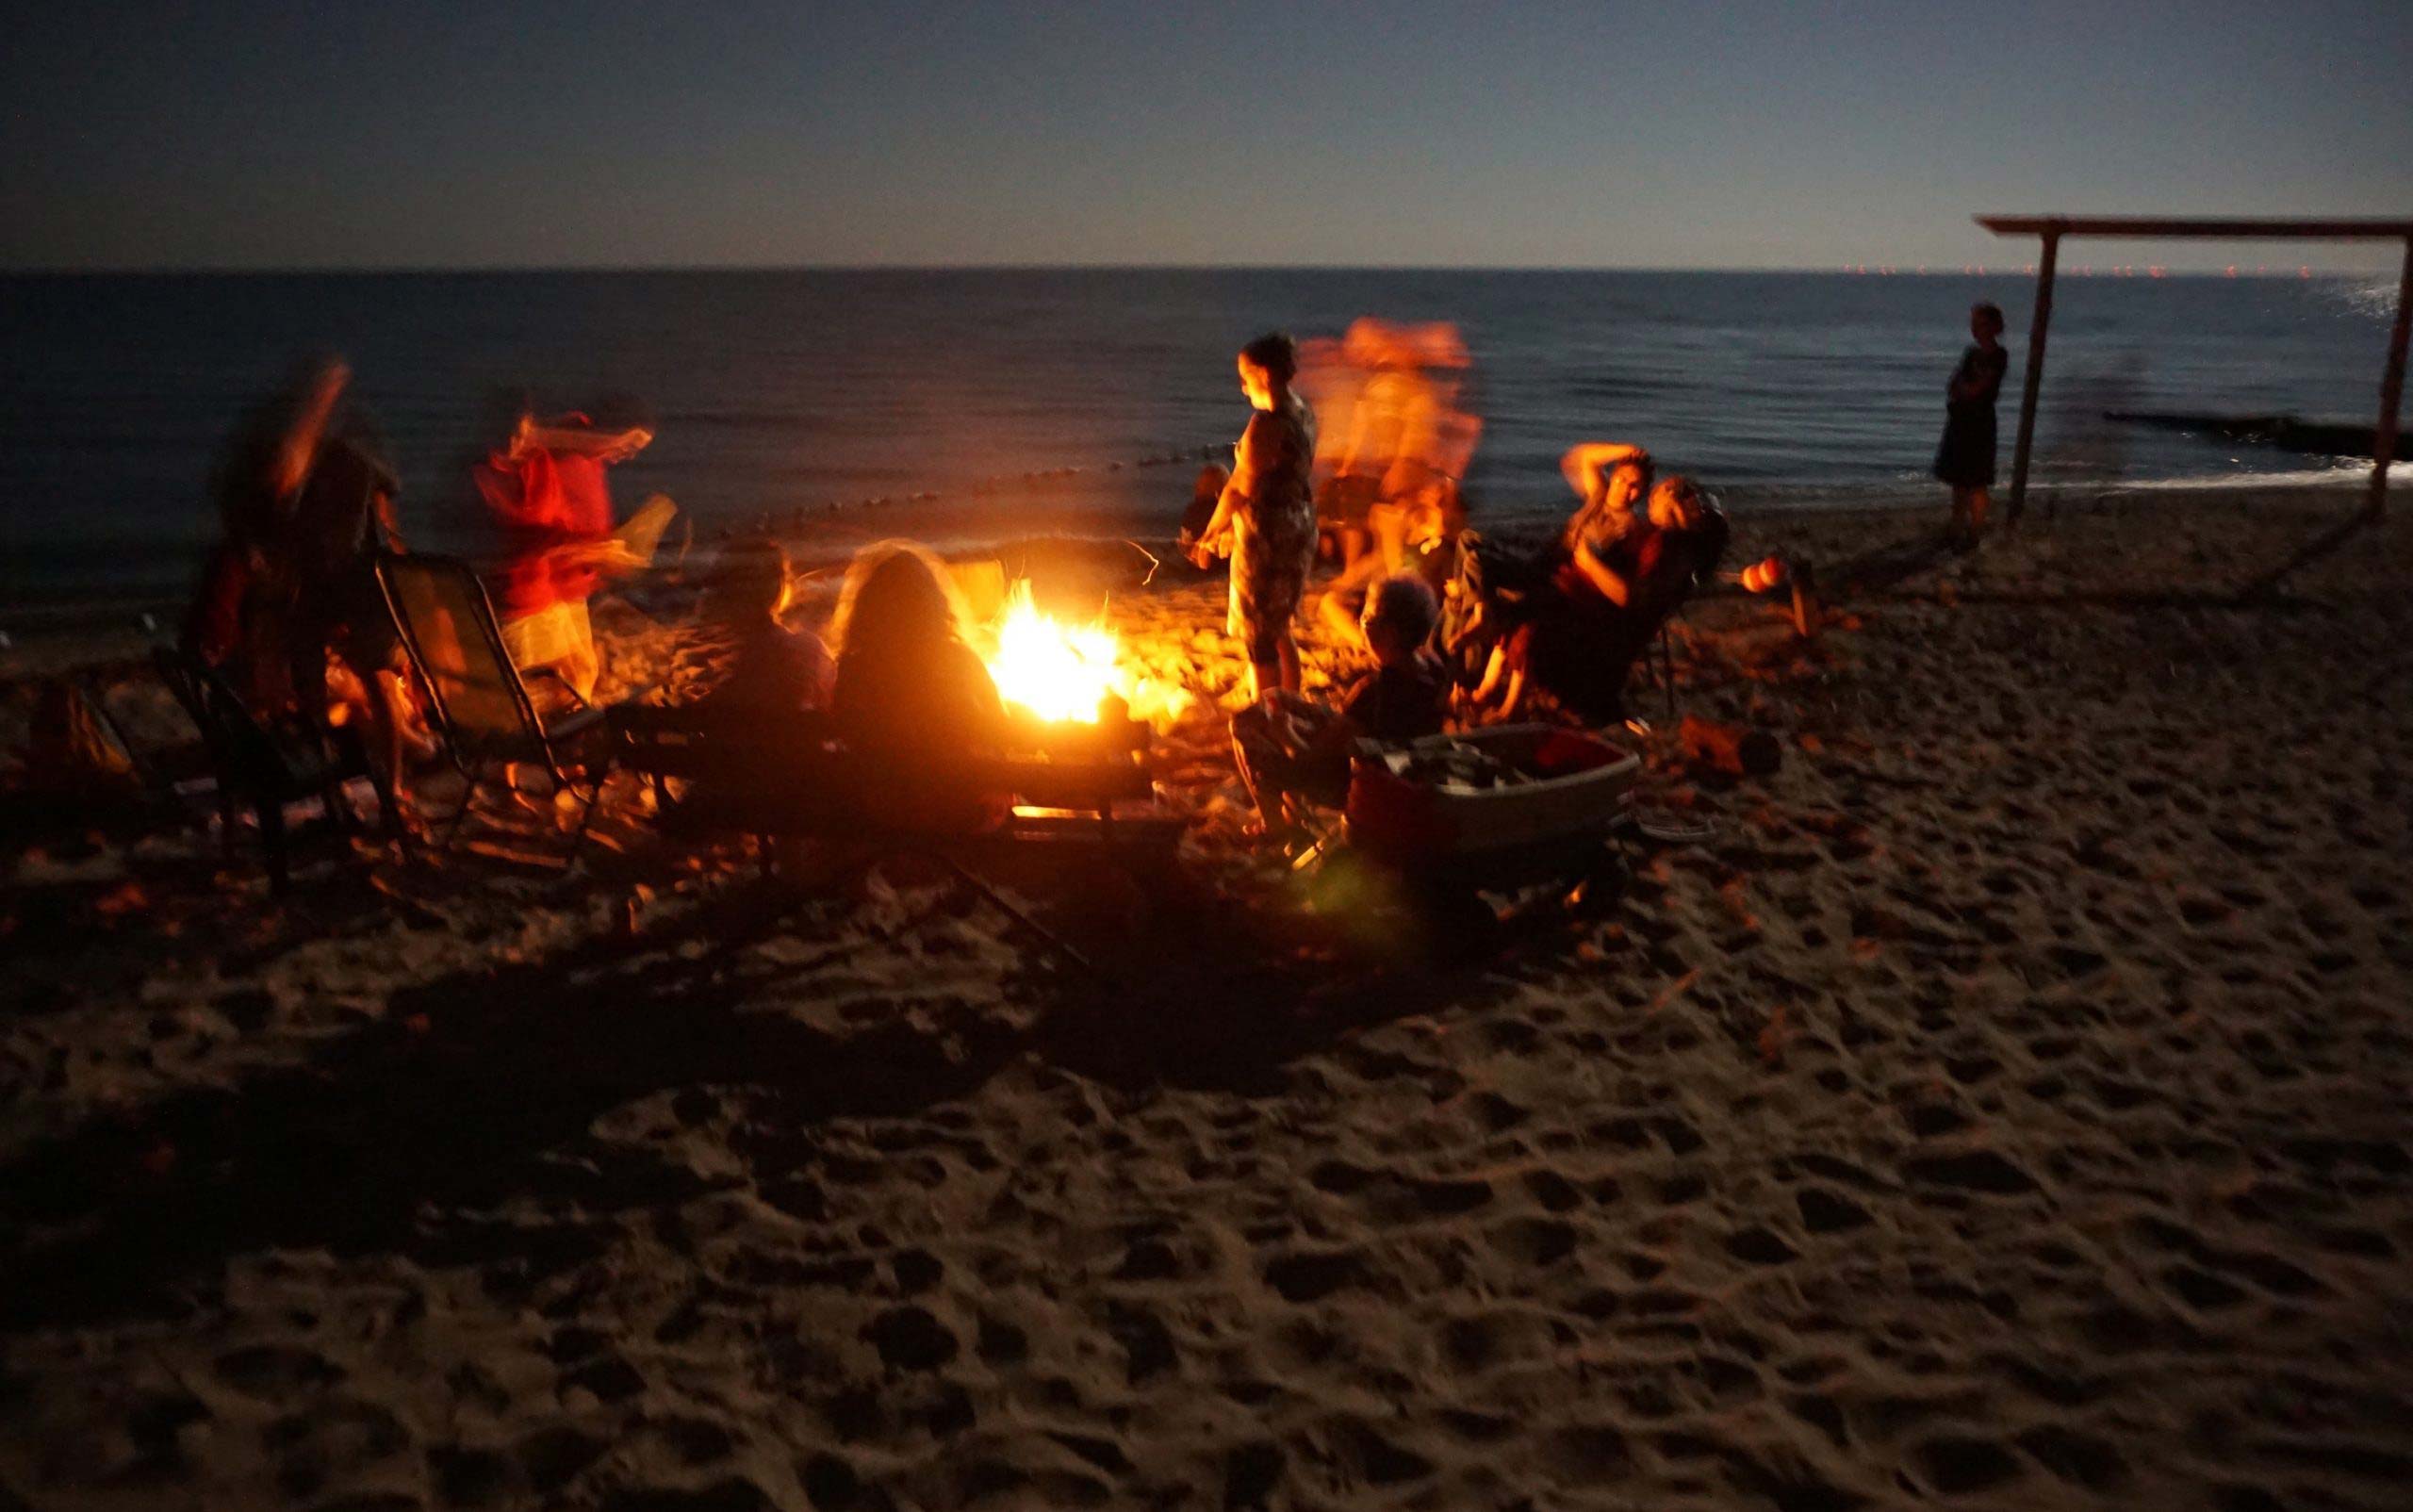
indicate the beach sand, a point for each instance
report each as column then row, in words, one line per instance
column 2004, row 1104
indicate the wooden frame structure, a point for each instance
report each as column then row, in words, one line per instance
column 2052, row 228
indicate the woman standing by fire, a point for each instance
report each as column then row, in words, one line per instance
column 1266, row 519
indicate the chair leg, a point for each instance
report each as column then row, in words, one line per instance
column 1047, row 937
column 272, row 818
column 586, row 818
column 461, row 812
column 1667, row 672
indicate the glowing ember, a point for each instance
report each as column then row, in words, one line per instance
column 1063, row 672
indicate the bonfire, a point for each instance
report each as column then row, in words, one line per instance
column 1064, row 673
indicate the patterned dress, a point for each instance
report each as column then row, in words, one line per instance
column 1273, row 525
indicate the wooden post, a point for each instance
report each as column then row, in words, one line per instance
column 2391, row 389
column 2035, row 324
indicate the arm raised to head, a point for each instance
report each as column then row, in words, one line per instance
column 1586, row 465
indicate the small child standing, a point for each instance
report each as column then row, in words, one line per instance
column 1291, row 748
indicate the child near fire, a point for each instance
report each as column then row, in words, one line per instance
column 1289, row 748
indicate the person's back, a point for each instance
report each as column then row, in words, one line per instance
column 926, row 712
column 775, row 673
column 909, row 697
column 1402, row 699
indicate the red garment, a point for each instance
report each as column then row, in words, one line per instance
column 543, row 502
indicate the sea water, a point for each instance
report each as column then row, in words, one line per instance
column 983, row 404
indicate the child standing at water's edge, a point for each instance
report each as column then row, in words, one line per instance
column 1964, row 459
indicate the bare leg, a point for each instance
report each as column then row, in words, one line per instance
column 1390, row 537
column 1286, row 668
column 1495, row 672
column 1337, row 621
column 1978, row 503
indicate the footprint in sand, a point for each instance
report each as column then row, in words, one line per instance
column 1958, row 1464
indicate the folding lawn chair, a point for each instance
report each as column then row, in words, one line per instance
column 477, row 695
column 264, row 768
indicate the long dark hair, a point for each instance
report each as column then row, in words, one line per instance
column 898, row 605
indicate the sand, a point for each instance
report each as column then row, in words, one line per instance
column 2004, row 1105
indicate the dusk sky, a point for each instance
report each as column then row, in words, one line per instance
column 260, row 134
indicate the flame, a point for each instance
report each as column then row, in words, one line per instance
column 1065, row 672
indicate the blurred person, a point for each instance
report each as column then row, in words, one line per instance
column 289, row 609
column 1289, row 747
column 1964, row 458
column 1377, row 420
column 1266, row 518
column 544, row 485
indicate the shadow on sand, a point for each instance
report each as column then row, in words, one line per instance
column 393, row 1138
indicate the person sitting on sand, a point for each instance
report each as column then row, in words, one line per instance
column 908, row 692
column 1266, row 519
column 1291, row 748
column 775, row 671
column 1581, row 637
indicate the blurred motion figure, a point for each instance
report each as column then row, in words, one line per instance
column 543, row 485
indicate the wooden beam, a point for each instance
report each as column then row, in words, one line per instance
column 2037, row 322
column 2235, row 229
column 2391, row 388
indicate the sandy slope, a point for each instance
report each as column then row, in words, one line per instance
column 2006, row 1106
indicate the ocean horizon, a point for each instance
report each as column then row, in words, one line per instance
column 970, row 404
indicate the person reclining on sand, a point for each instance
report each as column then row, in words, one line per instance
column 1289, row 747
column 775, row 672
column 909, row 695
column 1580, row 635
